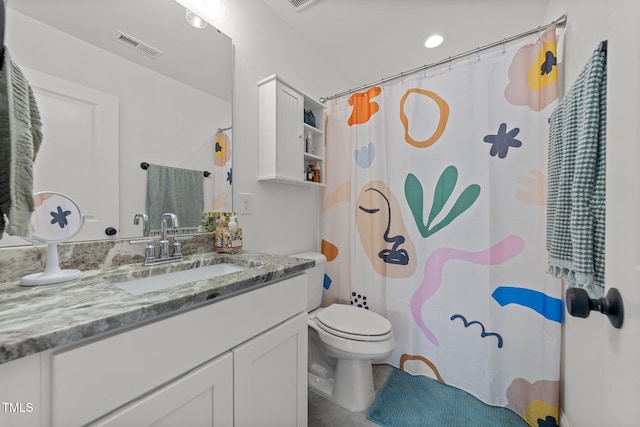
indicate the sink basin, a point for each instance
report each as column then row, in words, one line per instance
column 164, row 281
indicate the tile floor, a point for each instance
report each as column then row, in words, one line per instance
column 324, row 413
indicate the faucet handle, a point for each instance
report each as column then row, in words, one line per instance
column 150, row 251
column 177, row 247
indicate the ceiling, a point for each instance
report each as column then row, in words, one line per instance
column 368, row 40
column 201, row 58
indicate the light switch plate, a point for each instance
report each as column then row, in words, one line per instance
column 246, row 204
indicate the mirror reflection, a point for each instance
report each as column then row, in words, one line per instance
column 107, row 106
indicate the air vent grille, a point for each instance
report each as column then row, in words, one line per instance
column 138, row 45
column 300, row 4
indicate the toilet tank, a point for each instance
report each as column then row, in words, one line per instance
column 315, row 278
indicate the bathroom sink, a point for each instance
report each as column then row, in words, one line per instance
column 168, row 280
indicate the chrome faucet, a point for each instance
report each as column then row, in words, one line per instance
column 169, row 220
column 145, row 223
column 164, row 243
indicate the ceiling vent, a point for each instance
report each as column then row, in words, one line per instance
column 138, row 45
column 301, row 4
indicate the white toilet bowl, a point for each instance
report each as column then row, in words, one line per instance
column 344, row 341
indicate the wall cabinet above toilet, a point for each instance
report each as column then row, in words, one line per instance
column 291, row 134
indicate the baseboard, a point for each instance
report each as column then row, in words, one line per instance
column 563, row 419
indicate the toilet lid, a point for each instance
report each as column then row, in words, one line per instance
column 352, row 322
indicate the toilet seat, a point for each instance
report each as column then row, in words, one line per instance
column 353, row 323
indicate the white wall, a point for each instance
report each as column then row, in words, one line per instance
column 600, row 375
column 162, row 121
column 286, row 218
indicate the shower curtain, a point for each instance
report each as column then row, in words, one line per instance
column 222, row 172
column 434, row 216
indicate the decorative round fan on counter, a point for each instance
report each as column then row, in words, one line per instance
column 56, row 219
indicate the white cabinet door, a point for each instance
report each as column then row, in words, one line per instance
column 281, row 131
column 20, row 392
column 270, row 377
column 289, row 135
column 203, row 397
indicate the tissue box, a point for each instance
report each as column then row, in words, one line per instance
column 228, row 241
column 225, row 239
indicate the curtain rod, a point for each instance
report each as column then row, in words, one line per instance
column 223, row 129
column 561, row 22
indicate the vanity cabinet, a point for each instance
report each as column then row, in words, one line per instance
column 202, row 397
column 268, row 384
column 240, row 361
column 289, row 147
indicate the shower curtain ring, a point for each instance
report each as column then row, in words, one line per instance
column 504, row 47
column 449, row 63
column 478, row 54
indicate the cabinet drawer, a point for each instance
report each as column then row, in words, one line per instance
column 90, row 380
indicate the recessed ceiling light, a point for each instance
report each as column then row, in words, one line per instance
column 194, row 20
column 433, row 40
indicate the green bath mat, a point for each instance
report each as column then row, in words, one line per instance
column 406, row 400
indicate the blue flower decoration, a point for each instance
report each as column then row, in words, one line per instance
column 502, row 141
column 548, row 64
column 60, row 217
column 548, row 422
column 365, row 155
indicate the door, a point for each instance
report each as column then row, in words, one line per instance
column 79, row 152
column 203, row 397
column 621, row 367
column 270, row 377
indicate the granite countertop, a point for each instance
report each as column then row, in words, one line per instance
column 34, row 319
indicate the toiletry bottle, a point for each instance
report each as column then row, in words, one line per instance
column 316, row 173
column 233, row 224
column 308, row 143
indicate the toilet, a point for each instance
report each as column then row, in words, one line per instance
column 344, row 340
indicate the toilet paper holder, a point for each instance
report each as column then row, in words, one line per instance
column 579, row 304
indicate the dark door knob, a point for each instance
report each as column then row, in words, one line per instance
column 110, row 231
column 579, row 304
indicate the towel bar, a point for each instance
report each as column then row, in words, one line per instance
column 145, row 166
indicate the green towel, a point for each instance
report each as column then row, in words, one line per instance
column 20, row 139
column 576, row 193
column 174, row 190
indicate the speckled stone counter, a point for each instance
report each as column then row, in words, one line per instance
column 34, row 319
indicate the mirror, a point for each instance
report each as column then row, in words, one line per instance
column 56, row 218
column 119, row 83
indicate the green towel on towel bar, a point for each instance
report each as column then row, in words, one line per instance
column 174, row 190
column 576, row 192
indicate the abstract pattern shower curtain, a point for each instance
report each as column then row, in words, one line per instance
column 434, row 216
column 222, row 172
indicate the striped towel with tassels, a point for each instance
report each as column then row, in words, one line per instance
column 576, row 192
